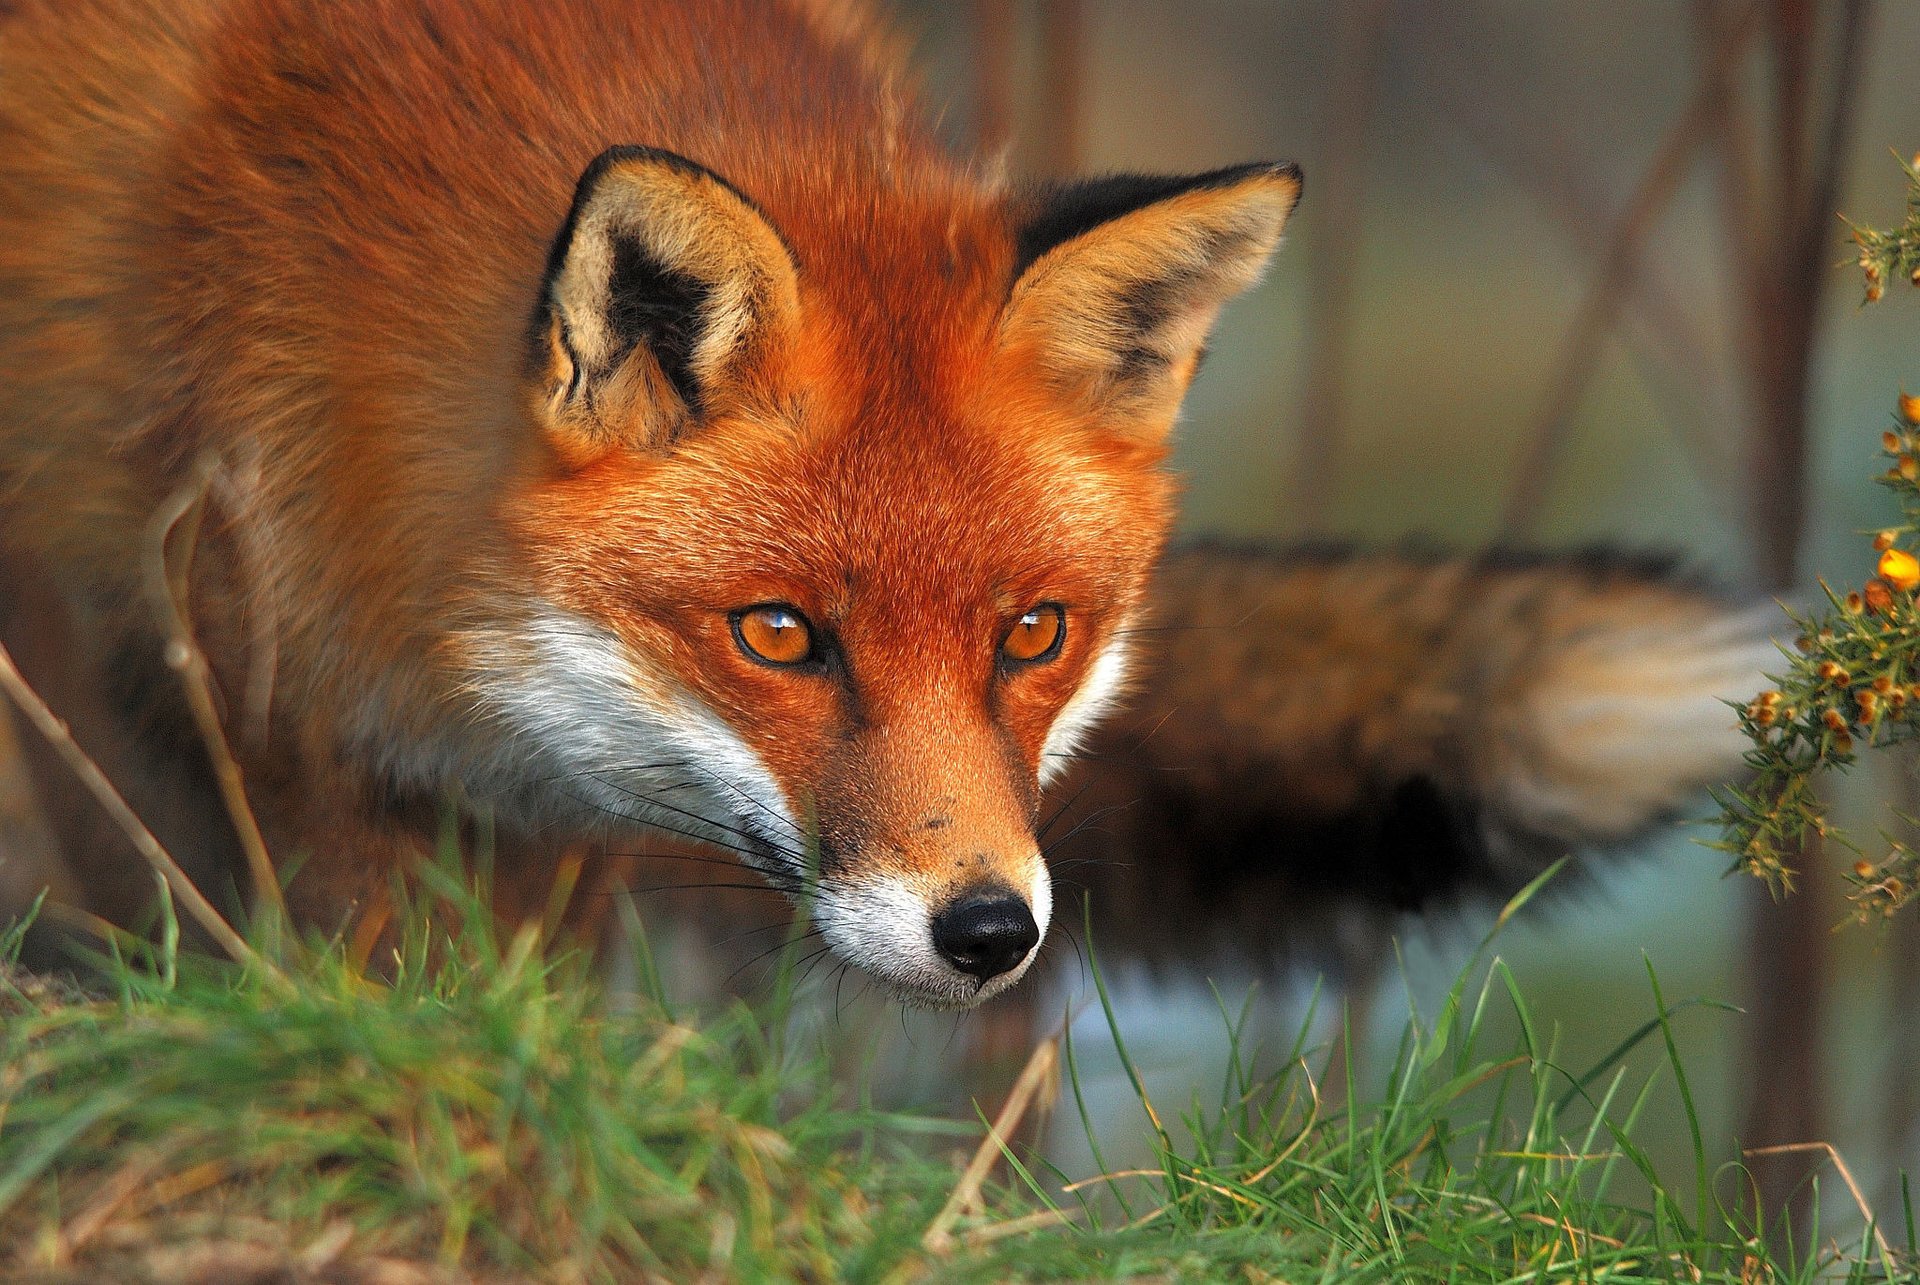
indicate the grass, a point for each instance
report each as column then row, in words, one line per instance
column 481, row 1108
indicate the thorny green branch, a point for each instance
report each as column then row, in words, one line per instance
column 1886, row 256
column 1853, row 677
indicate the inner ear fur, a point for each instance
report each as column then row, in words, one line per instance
column 1119, row 279
column 664, row 287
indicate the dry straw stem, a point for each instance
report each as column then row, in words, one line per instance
column 143, row 840
column 1038, row 1072
column 167, row 586
column 1846, row 1175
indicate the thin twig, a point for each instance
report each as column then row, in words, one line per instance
column 1336, row 211
column 1846, row 1175
column 50, row 726
column 183, row 655
column 1015, row 1226
column 1581, row 350
column 111, row 1198
column 1668, row 346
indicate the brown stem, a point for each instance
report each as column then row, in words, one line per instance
column 167, row 587
column 1058, row 136
column 1581, row 350
column 48, row 724
column 1339, row 179
column 1788, row 942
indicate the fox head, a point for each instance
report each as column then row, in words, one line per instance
column 844, row 510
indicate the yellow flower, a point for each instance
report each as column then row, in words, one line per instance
column 1910, row 408
column 1900, row 569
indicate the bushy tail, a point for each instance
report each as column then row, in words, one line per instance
column 1315, row 736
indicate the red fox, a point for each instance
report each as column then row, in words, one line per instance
column 624, row 413
column 619, row 415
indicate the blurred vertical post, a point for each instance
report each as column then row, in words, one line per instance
column 1040, row 134
column 1057, row 134
column 993, row 23
column 1339, row 181
column 1900, row 1119
column 1781, row 237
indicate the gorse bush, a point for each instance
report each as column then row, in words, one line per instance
column 1852, row 680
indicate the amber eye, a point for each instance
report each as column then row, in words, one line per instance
column 774, row 634
column 1037, row 635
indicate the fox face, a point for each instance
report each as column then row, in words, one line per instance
column 833, row 558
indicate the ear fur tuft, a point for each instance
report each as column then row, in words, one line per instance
column 1119, row 279
column 663, row 286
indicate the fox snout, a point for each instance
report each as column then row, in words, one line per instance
column 986, row 934
column 944, row 917
column 938, row 947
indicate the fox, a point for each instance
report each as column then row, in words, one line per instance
column 623, row 418
column 613, row 414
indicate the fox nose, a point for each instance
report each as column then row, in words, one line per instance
column 985, row 936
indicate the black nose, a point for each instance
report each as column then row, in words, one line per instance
column 985, row 936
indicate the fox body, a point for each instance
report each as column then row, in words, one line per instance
column 613, row 413
column 1318, row 742
column 1324, row 740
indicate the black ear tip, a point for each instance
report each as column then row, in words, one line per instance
column 1290, row 171
column 1052, row 213
column 1286, row 171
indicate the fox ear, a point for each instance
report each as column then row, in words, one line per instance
column 1118, row 280
column 663, row 287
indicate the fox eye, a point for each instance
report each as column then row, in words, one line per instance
column 774, row 635
column 1036, row 636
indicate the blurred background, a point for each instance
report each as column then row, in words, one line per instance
column 1563, row 273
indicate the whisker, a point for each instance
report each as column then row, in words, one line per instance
column 704, row 887
column 730, row 938
column 1061, row 811
column 698, row 837
column 747, row 835
column 1074, row 863
column 765, row 880
column 589, row 771
column 1066, row 931
column 788, row 883
column 628, row 817
column 789, row 826
column 610, row 854
column 839, row 982
column 810, row 963
column 1098, row 814
column 777, row 946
